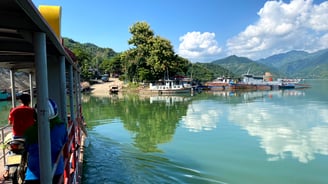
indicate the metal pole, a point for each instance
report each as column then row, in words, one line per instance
column 79, row 93
column 76, row 89
column 71, row 89
column 13, row 90
column 63, row 89
column 39, row 40
column 31, row 87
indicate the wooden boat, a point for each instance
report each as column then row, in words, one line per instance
column 113, row 89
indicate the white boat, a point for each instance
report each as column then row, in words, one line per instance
column 170, row 87
column 292, row 83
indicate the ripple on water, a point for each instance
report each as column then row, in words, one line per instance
column 106, row 161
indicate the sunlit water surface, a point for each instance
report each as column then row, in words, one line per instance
column 264, row 137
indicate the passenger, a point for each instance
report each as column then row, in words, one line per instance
column 21, row 118
column 58, row 137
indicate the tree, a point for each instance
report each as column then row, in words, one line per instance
column 152, row 57
column 83, row 58
column 112, row 65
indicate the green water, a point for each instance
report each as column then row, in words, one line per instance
column 238, row 138
column 273, row 137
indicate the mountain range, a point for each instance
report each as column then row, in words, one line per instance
column 295, row 64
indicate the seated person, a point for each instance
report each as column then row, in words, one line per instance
column 58, row 137
column 22, row 116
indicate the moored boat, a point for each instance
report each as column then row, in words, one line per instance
column 4, row 95
column 292, row 83
column 113, row 89
column 220, row 83
column 265, row 82
column 252, row 82
column 170, row 87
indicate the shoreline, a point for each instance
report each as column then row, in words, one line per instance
column 102, row 88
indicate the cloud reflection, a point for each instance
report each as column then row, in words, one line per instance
column 201, row 116
column 295, row 129
column 298, row 130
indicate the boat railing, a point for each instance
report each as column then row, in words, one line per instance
column 4, row 131
column 71, row 150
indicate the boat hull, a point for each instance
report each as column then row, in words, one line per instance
column 172, row 91
column 240, row 86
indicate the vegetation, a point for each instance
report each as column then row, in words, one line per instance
column 300, row 64
column 151, row 58
column 242, row 65
column 147, row 133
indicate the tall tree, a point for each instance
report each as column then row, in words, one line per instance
column 151, row 57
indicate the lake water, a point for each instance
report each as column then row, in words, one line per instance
column 264, row 137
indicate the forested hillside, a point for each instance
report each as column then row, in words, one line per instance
column 297, row 64
column 242, row 65
column 150, row 58
column 300, row 64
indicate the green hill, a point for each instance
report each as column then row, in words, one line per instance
column 242, row 65
column 300, row 64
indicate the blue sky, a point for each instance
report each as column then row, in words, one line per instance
column 201, row 30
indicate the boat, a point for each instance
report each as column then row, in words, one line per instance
column 170, row 87
column 220, row 83
column 265, row 82
column 4, row 95
column 113, row 89
column 60, row 71
column 253, row 82
column 292, row 83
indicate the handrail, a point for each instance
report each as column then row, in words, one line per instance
column 4, row 152
column 70, row 150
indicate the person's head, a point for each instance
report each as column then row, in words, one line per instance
column 52, row 109
column 25, row 98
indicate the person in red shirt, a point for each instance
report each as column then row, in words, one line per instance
column 22, row 116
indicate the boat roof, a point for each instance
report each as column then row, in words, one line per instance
column 19, row 19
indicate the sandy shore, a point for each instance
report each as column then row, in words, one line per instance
column 102, row 88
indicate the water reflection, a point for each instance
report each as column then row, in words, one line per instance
column 202, row 116
column 151, row 122
column 285, row 128
column 285, row 122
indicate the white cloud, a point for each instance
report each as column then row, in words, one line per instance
column 199, row 47
column 298, row 25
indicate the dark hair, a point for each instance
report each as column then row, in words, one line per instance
column 25, row 98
